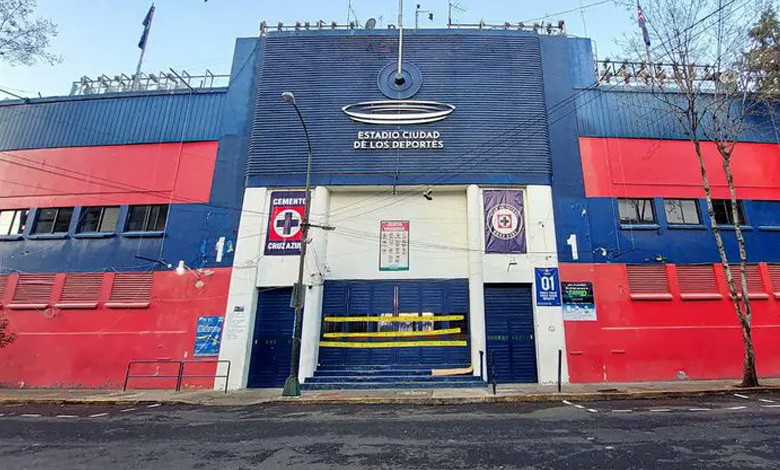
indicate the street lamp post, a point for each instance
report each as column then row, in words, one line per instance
column 292, row 387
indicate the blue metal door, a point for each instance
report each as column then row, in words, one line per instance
column 396, row 298
column 272, row 348
column 509, row 322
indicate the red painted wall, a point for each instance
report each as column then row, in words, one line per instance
column 91, row 348
column 653, row 340
column 614, row 167
column 122, row 174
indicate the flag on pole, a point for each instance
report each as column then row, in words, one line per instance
column 147, row 26
column 642, row 20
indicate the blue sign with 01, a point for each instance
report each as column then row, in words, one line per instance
column 548, row 287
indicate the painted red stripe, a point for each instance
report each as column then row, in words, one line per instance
column 107, row 175
column 614, row 167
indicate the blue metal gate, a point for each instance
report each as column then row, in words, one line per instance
column 425, row 301
column 509, row 323
column 272, row 348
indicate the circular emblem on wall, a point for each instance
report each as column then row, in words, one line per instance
column 287, row 223
column 405, row 89
column 505, row 221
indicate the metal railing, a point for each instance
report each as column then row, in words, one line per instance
column 180, row 375
column 163, row 81
column 537, row 27
column 646, row 74
column 492, row 370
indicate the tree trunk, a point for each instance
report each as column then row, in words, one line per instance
column 749, row 375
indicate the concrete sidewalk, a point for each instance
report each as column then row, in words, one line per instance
column 504, row 393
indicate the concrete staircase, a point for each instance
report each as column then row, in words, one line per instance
column 383, row 377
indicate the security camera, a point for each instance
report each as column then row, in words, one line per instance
column 428, row 194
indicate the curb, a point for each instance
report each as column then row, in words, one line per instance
column 507, row 399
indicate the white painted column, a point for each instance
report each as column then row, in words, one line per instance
column 315, row 262
column 542, row 252
column 239, row 325
column 476, row 282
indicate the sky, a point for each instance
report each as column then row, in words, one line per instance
column 101, row 36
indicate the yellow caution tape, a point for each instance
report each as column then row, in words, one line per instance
column 392, row 334
column 389, row 344
column 395, row 319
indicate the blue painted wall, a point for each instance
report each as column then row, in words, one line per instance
column 563, row 60
column 613, row 243
column 111, row 119
column 497, row 134
column 193, row 229
column 627, row 112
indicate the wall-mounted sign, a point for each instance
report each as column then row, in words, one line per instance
column 398, row 112
column 398, row 140
column 285, row 222
column 208, row 336
column 548, row 292
column 394, row 245
column 504, row 221
column 578, row 301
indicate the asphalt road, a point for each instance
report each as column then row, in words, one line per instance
column 702, row 433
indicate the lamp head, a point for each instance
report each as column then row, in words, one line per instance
column 289, row 97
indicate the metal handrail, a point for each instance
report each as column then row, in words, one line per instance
column 180, row 376
column 492, row 370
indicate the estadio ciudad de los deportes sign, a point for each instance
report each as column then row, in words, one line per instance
column 398, row 140
column 398, row 113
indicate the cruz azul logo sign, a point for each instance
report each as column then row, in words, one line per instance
column 504, row 221
column 285, row 222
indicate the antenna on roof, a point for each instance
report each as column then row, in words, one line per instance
column 371, row 23
column 453, row 6
column 351, row 14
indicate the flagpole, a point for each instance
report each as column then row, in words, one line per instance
column 137, row 76
column 142, row 44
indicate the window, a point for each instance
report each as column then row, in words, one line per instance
column 774, row 275
column 648, row 282
column 12, row 222
column 723, row 213
column 697, row 282
column 682, row 211
column 147, row 218
column 99, row 219
column 131, row 290
column 81, row 290
column 636, row 211
column 33, row 291
column 53, row 220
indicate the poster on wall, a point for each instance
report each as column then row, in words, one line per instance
column 208, row 336
column 548, row 292
column 504, row 221
column 394, row 245
column 285, row 222
column 578, row 301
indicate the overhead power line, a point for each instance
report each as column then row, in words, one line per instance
column 572, row 10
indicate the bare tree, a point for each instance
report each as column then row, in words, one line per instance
column 711, row 104
column 25, row 39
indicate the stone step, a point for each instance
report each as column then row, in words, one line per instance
column 391, row 385
column 391, row 378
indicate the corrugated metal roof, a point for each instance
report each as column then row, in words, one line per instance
column 111, row 120
column 621, row 112
column 494, row 81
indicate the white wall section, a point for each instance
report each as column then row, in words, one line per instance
column 238, row 330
